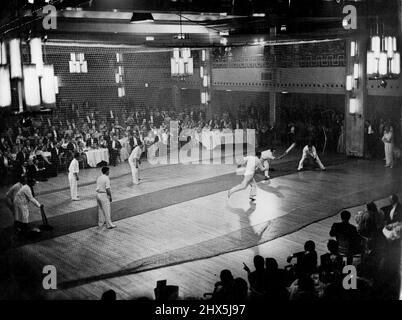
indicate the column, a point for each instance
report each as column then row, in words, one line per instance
column 176, row 97
column 206, row 81
column 273, row 102
column 356, row 97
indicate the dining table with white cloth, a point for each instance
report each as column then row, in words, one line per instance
column 212, row 139
column 96, row 156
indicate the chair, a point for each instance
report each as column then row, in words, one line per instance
column 165, row 292
column 62, row 162
column 82, row 160
column 347, row 250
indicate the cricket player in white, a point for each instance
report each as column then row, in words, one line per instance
column 21, row 206
column 103, row 199
column 266, row 156
column 10, row 195
column 73, row 171
column 252, row 163
column 134, row 160
column 310, row 151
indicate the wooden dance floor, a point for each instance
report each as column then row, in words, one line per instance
column 190, row 241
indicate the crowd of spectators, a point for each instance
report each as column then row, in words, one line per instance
column 374, row 129
column 323, row 126
column 43, row 145
column 373, row 246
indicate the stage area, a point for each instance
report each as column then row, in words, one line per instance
column 181, row 227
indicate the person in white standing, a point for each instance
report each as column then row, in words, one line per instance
column 10, row 195
column 73, row 171
column 388, row 139
column 21, row 206
column 134, row 161
column 309, row 152
column 103, row 199
column 252, row 163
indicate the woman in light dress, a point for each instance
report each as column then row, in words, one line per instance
column 341, row 140
column 388, row 139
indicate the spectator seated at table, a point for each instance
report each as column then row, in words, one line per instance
column 331, row 262
column 306, row 260
column 36, row 171
column 91, row 142
column 349, row 240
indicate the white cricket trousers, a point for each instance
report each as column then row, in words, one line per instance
column 104, row 210
column 304, row 158
column 266, row 165
column 73, row 185
column 247, row 181
column 134, row 173
column 389, row 157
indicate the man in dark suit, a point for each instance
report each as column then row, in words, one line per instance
column 346, row 234
column 3, row 168
column 54, row 159
column 22, row 156
column 114, row 147
column 91, row 142
column 54, row 133
column 331, row 262
column 393, row 212
column 3, row 144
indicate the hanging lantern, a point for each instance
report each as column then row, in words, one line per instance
column 376, row 46
column 349, row 83
column 3, row 53
column 205, row 81
column 56, row 85
column 203, row 97
column 121, row 92
column 5, row 86
column 353, row 105
column 84, row 67
column 203, row 55
column 389, row 46
column 185, row 54
column 352, row 48
column 201, row 72
column 47, row 85
column 176, row 53
column 371, row 63
column 35, row 45
column 181, row 66
column 174, row 67
column 383, row 64
column 396, row 64
column 190, row 67
column 31, row 86
column 15, row 59
column 356, row 71
column 394, row 44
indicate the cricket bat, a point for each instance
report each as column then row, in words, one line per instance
column 45, row 225
column 290, row 148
